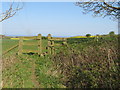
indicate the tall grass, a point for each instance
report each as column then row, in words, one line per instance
column 46, row 73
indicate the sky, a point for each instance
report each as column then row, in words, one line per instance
column 62, row 19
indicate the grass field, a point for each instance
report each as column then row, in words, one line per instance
column 7, row 43
column 85, row 62
column 20, row 74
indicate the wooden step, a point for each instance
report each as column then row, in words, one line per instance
column 28, row 51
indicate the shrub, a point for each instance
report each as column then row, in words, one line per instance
column 88, row 35
column 90, row 65
column 111, row 33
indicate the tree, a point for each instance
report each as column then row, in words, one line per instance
column 10, row 12
column 101, row 8
column 111, row 33
column 88, row 35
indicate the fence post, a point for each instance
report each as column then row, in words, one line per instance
column 49, row 43
column 52, row 47
column 39, row 44
column 20, row 48
column 65, row 41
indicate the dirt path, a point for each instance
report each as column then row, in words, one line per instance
column 34, row 78
column 21, row 74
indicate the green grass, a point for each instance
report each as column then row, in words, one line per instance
column 8, row 43
column 19, row 74
column 45, row 73
column 78, row 65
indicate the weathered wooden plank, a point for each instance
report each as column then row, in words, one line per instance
column 30, row 44
column 33, row 37
column 58, row 39
column 29, row 51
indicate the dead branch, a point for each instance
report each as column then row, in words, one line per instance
column 10, row 12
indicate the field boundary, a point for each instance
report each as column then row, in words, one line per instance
column 50, row 49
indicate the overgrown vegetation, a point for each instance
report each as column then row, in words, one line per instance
column 46, row 74
column 91, row 64
column 19, row 74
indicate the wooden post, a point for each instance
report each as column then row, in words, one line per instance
column 49, row 43
column 49, row 36
column 20, row 46
column 52, row 47
column 97, row 38
column 39, row 44
column 65, row 41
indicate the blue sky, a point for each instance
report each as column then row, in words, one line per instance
column 56, row 18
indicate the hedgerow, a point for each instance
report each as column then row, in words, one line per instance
column 91, row 64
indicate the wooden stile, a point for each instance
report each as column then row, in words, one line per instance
column 50, row 47
column 51, row 43
column 20, row 48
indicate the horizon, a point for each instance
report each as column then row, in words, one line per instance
column 54, row 35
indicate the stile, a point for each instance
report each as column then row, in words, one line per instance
column 50, row 47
